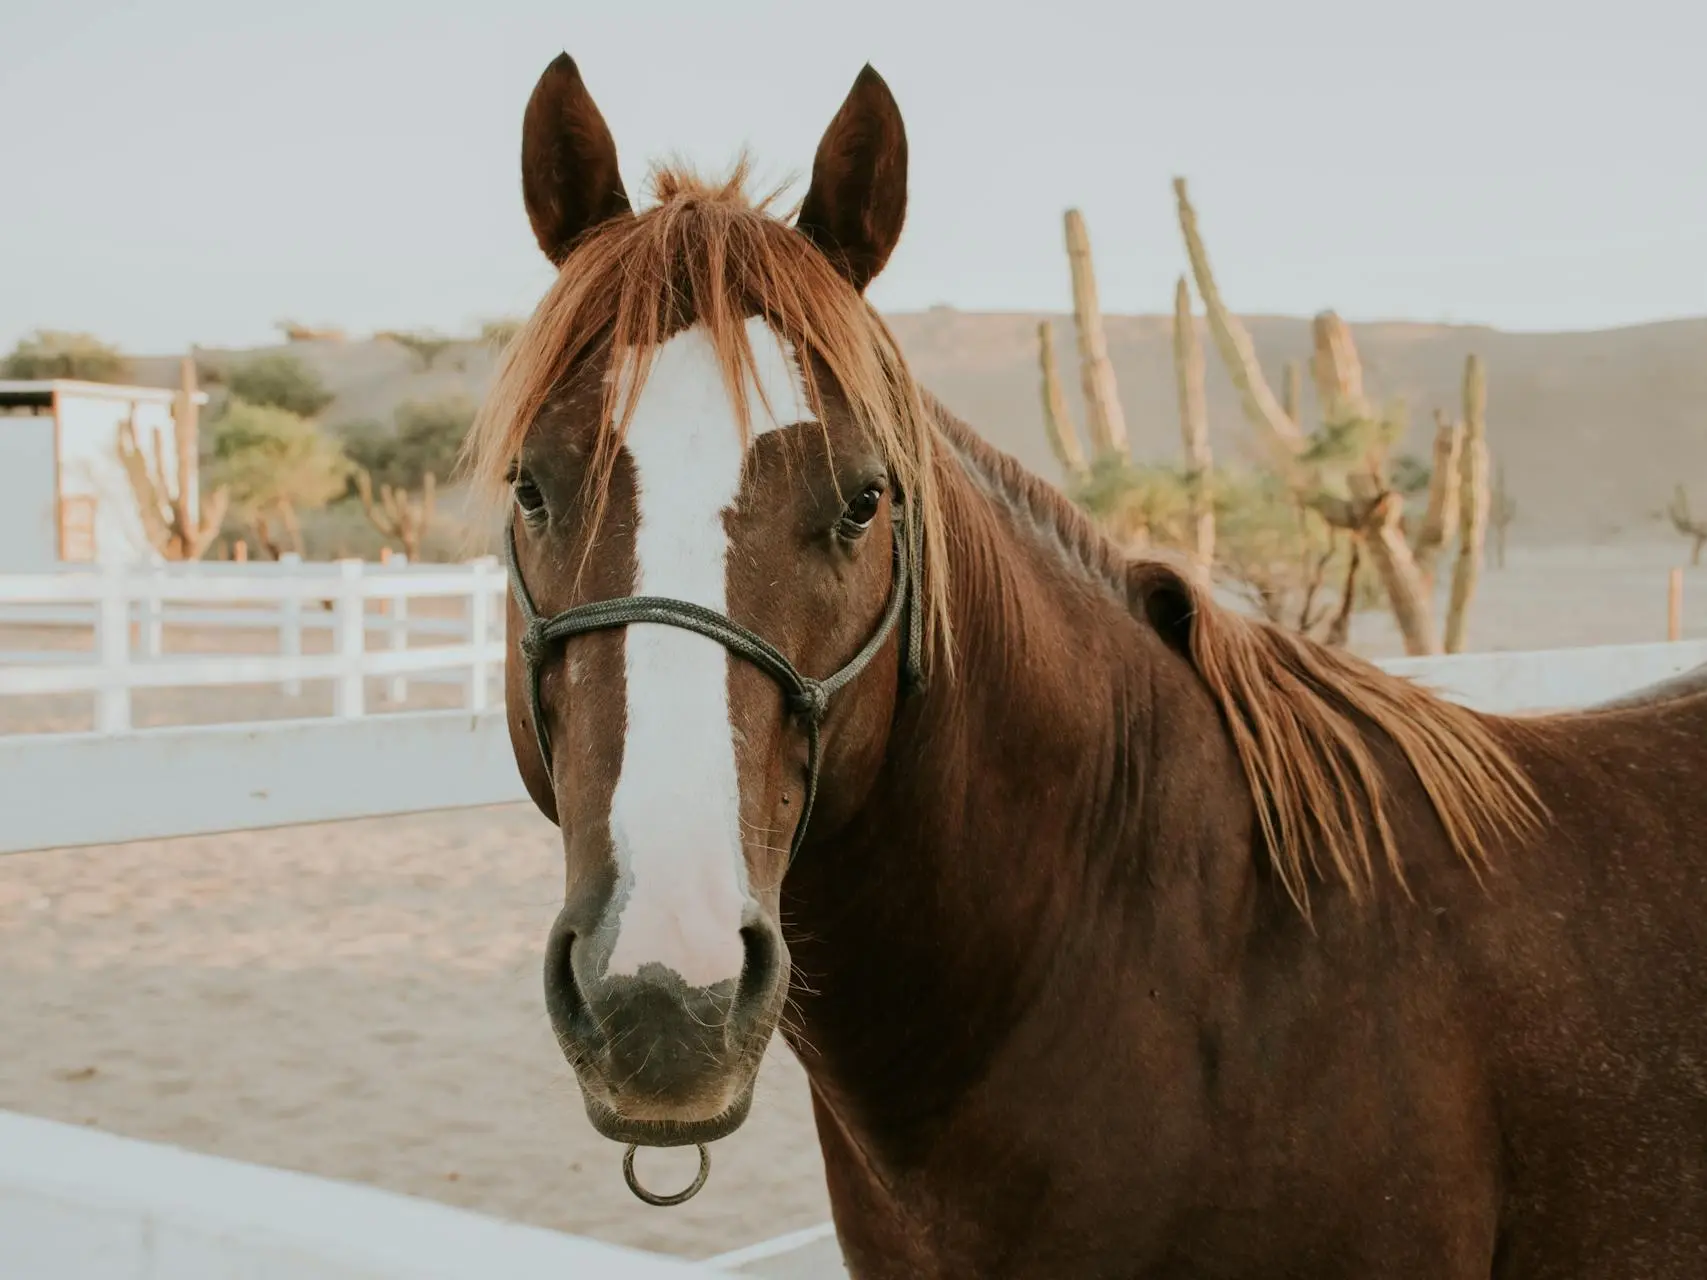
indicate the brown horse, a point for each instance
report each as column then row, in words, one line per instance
column 1127, row 937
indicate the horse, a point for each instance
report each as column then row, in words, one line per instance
column 1118, row 934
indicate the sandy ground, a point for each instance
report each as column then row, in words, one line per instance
column 362, row 1000
column 359, row 1000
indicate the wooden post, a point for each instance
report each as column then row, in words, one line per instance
column 290, row 617
column 1674, row 606
column 351, row 641
column 240, row 551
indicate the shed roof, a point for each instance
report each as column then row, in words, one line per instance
column 40, row 394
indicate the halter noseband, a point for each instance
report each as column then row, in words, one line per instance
column 808, row 698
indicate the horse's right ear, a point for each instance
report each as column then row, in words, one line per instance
column 570, row 181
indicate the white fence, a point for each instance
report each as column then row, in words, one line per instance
column 348, row 598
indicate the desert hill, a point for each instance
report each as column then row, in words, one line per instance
column 1594, row 428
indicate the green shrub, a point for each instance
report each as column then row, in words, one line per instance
column 279, row 381
column 49, row 353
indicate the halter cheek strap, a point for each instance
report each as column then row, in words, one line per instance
column 808, row 698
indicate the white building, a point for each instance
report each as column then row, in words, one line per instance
column 64, row 496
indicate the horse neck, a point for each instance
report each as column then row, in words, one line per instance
column 1017, row 805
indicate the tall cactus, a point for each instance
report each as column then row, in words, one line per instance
column 1440, row 520
column 1372, row 513
column 1292, row 391
column 177, row 525
column 1189, row 370
column 1336, row 369
column 1057, row 420
column 1502, row 510
column 1472, row 503
column 1279, row 432
column 1104, row 418
column 398, row 515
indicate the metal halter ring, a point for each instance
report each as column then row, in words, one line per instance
column 652, row 1197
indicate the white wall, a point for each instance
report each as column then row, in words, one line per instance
column 89, row 463
column 29, row 535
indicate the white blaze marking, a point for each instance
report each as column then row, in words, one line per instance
column 675, row 815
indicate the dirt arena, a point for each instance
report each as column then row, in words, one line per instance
column 362, row 1000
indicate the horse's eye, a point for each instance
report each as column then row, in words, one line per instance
column 528, row 496
column 862, row 510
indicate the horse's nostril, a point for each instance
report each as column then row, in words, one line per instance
column 759, row 968
column 563, row 998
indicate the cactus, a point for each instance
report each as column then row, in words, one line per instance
column 1337, row 370
column 398, row 515
column 1292, row 392
column 1472, row 503
column 1057, row 420
column 1263, row 411
column 1189, row 368
column 166, row 506
column 1502, row 510
column 1373, row 512
column 1104, row 419
column 1686, row 524
column 1440, row 520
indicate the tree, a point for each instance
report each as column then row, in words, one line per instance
column 425, row 440
column 279, row 381
column 426, row 347
column 273, row 463
column 50, row 353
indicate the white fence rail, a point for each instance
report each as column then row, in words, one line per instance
column 289, row 597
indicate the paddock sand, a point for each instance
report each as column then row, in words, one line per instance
column 362, row 1000
column 359, row 1000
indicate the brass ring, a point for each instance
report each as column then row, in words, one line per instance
column 652, row 1197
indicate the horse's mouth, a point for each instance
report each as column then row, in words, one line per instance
column 664, row 1130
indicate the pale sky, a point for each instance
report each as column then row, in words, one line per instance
column 184, row 171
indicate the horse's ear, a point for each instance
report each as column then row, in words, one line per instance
column 858, row 198
column 1166, row 599
column 570, row 181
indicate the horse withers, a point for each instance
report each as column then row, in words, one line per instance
column 1118, row 935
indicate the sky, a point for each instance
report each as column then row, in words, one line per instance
column 192, row 171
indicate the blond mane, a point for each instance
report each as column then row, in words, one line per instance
column 707, row 253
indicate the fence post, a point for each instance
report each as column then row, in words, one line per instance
column 154, row 610
column 1674, row 606
column 290, row 617
column 350, row 641
column 398, row 627
column 480, row 632
column 112, row 636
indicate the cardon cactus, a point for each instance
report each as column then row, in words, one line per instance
column 1104, row 417
column 397, row 515
column 167, row 507
column 1057, row 421
column 1472, row 503
column 1189, row 369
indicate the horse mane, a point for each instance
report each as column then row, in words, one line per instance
column 1306, row 720
column 707, row 253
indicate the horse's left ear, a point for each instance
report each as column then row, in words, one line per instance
column 570, row 181
column 856, row 204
